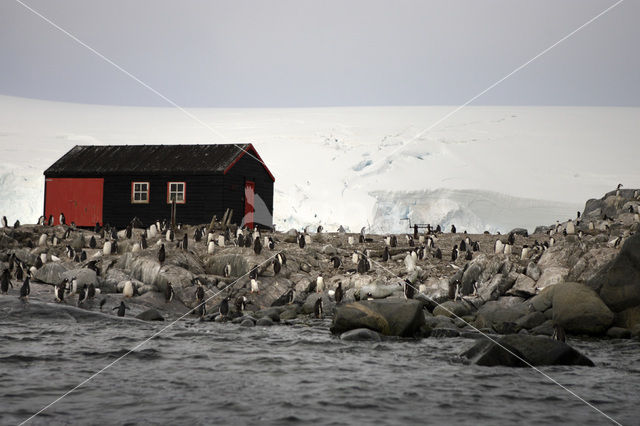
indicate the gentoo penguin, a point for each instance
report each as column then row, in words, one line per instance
column 362, row 265
column 355, row 257
column 291, row 295
column 498, row 247
column 211, row 247
column 227, row 270
column 272, row 244
column 266, row 241
column 336, row 262
column 301, row 241
column 339, row 293
column 414, row 255
column 350, row 240
column 453, row 288
column 197, row 235
column 70, row 252
column 170, row 235
column 5, row 281
column 558, row 333
column 317, row 308
column 185, row 242
column 463, row 245
column 128, row 232
column 511, row 239
column 438, row 254
column 19, row 272
column 257, row 247
column 25, row 290
column 394, row 241
column 241, row 240
column 161, row 254
column 552, row 241
column 199, row 293
column 39, row 262
column 248, row 241
column 476, row 246
column 54, row 240
column 102, row 302
column 454, row 253
column 16, row 224
column 361, row 239
column 320, row 228
column 421, row 252
column 411, row 241
column 525, row 252
column 106, row 248
column 468, row 256
column 319, row 284
column 92, row 291
column 276, row 266
column 253, row 273
column 128, row 289
column 82, row 295
column 409, row 290
column 121, row 309
column 410, row 262
column 508, row 249
column 255, row 287
column 168, row 293
column 4, row 222
column 453, row 229
column 92, row 242
column 241, row 303
column 282, row 258
column 224, row 307
column 43, row 240
column 618, row 189
column 62, row 219
column 58, row 291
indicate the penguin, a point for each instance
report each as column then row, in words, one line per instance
column 121, row 309
column 369, row 296
column 336, row 262
column 257, row 247
column 282, row 258
column 415, row 231
column 525, row 252
column 319, row 284
column 558, row 333
column 92, row 291
column 476, row 246
column 498, row 247
column 82, row 295
column 185, row 242
column 408, row 289
column 339, row 294
column 386, row 254
column 414, row 255
column 253, row 273
column 227, row 270
column 463, row 245
column 25, row 290
column 128, row 232
column 199, row 294
column 128, row 290
column 272, row 244
column 16, row 224
column 54, row 240
column 220, row 240
column 38, row 263
column 317, row 308
column 393, row 241
column 438, row 254
column 266, row 242
column 355, row 257
column 362, row 265
column 618, row 189
column 454, row 253
column 453, row 229
column 211, row 247
column 511, row 239
column 468, row 256
column 301, row 241
column 320, row 228
column 70, row 252
column 552, row 241
column 5, row 281
column 58, row 291
column 350, row 240
column 224, row 307
column 170, row 235
column 42, row 241
column 248, row 241
column 62, row 219
column 361, row 239
column 241, row 303
column 19, row 272
column 4, row 222
column 291, row 294
column 421, row 252
column 161, row 254
column 168, row 293
column 197, row 235
column 508, row 249
column 276, row 266
column 106, row 248
column 255, row 287
column 102, row 302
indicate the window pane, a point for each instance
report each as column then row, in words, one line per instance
column 136, row 187
column 136, row 196
column 180, row 198
column 181, row 187
column 143, row 196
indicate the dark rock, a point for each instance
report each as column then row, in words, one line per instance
column 579, row 310
column 445, row 332
column 150, row 315
column 247, row 323
column 264, row 322
column 451, row 308
column 516, row 350
column 531, row 320
column 469, row 277
column 289, row 314
column 544, row 329
column 533, row 271
column 501, row 315
column 619, row 333
column 520, row 231
column 360, row 334
column 390, row 317
column 543, row 300
column 51, row 273
column 628, row 318
column 618, row 283
column 273, row 313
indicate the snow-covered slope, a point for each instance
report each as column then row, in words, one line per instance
column 485, row 168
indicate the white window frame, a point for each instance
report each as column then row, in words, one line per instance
column 176, row 191
column 140, row 191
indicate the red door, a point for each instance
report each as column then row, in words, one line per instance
column 79, row 199
column 249, row 191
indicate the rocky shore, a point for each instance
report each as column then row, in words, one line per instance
column 581, row 276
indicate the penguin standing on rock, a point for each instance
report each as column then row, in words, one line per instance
column 453, row 229
column 454, row 253
column 291, row 295
column 25, row 290
column 199, row 294
column 121, row 309
column 58, row 291
column 82, row 296
column 257, row 247
column 168, row 293
column 4, row 222
column 301, row 241
column 161, row 255
column 386, row 254
column 469, row 255
column 336, row 262
column 62, row 219
column 224, row 307
column 226, row 272
column 276, row 266
column 317, row 308
column 255, row 286
column 409, row 290
column 319, row 284
column 438, row 254
column 5, row 281
column 339, row 293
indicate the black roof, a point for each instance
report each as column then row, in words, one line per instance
column 98, row 160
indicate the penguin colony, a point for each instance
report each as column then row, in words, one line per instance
column 358, row 254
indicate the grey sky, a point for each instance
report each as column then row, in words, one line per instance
column 322, row 53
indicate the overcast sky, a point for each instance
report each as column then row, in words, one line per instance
column 299, row 53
